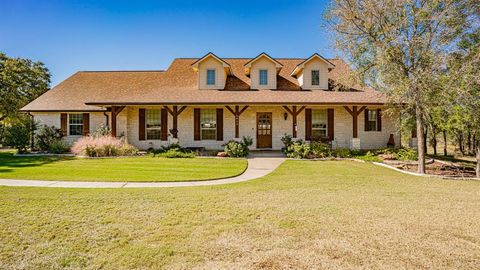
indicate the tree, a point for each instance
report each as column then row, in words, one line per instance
column 398, row 47
column 21, row 81
column 18, row 134
column 464, row 80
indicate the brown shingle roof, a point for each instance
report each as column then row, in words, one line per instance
column 178, row 85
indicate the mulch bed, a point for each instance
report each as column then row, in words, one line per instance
column 435, row 167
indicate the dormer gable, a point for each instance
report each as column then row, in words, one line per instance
column 212, row 71
column 263, row 71
column 312, row 73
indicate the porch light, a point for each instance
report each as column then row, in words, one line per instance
column 285, row 116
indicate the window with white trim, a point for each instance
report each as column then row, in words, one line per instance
column 75, row 124
column 315, row 77
column 153, row 124
column 319, row 124
column 210, row 76
column 263, row 77
column 208, row 124
column 372, row 120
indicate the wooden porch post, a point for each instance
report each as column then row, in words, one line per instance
column 175, row 112
column 237, row 114
column 355, row 113
column 294, row 113
column 115, row 110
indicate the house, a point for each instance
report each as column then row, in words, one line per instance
column 207, row 101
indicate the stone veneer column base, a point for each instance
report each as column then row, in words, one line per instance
column 355, row 144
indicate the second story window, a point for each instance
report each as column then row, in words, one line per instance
column 263, row 77
column 210, row 76
column 315, row 77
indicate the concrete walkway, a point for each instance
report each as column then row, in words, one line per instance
column 259, row 165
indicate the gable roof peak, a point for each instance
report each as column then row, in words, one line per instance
column 248, row 65
column 301, row 65
column 263, row 54
column 225, row 65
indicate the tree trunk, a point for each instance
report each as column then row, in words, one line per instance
column 445, row 143
column 469, row 142
column 420, row 140
column 478, row 159
column 460, row 143
column 434, row 140
column 425, row 139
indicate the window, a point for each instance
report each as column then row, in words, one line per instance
column 319, row 124
column 75, row 124
column 210, row 76
column 315, row 77
column 208, row 124
column 152, row 124
column 263, row 77
column 372, row 120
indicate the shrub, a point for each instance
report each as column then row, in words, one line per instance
column 103, row 146
column 369, row 156
column 287, row 141
column 58, row 147
column 238, row 149
column 102, row 130
column 176, row 153
column 406, row 154
column 18, row 135
column 171, row 147
column 342, row 153
column 298, row 149
column 320, row 150
column 46, row 136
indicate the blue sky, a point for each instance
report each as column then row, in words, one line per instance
column 69, row 36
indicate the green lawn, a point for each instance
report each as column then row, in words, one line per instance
column 135, row 169
column 306, row 214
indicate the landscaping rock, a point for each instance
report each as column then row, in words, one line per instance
column 222, row 154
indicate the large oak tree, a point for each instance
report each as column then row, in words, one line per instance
column 399, row 47
column 21, row 81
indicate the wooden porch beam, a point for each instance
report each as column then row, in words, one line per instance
column 355, row 122
column 294, row 113
column 355, row 113
column 175, row 112
column 115, row 110
column 236, row 113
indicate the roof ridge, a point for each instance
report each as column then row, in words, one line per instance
column 249, row 58
column 94, row 71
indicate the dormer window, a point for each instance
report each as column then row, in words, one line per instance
column 210, row 76
column 263, row 77
column 316, row 77
column 259, row 69
column 212, row 72
column 313, row 72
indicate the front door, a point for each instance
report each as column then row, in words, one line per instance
column 264, row 130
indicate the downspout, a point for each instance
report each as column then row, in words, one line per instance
column 32, row 131
column 106, row 118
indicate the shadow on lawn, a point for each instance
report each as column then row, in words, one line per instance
column 453, row 159
column 8, row 161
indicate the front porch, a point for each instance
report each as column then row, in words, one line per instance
column 211, row 126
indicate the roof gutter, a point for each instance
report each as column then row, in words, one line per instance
column 230, row 103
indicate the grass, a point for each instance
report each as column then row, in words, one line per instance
column 306, row 214
column 134, row 169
